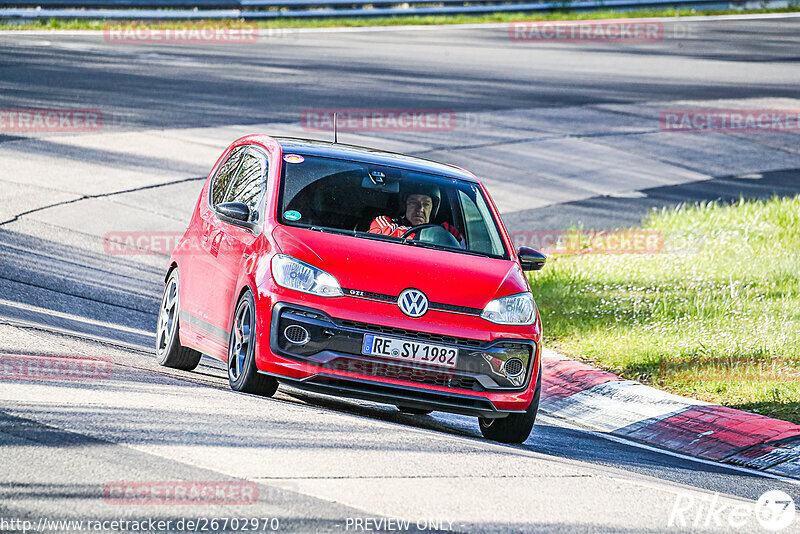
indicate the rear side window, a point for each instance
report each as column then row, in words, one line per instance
column 222, row 180
column 247, row 185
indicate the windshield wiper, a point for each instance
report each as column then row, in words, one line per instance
column 377, row 237
column 328, row 230
column 354, row 233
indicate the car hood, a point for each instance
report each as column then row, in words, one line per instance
column 389, row 268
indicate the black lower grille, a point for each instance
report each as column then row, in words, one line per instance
column 432, row 377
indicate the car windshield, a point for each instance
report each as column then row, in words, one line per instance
column 389, row 203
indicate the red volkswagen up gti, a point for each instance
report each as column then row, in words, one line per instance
column 358, row 273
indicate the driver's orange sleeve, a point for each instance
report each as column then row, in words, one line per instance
column 384, row 226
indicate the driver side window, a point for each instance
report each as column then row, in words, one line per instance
column 247, row 185
column 225, row 174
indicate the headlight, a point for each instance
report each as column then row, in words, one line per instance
column 294, row 274
column 513, row 309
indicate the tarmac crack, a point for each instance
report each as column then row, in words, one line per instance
column 99, row 195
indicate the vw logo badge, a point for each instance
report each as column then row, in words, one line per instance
column 413, row 302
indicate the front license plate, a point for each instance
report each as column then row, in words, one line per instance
column 409, row 351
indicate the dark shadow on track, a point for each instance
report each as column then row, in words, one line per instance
column 605, row 212
column 74, row 289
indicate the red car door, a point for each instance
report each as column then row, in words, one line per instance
column 197, row 262
column 231, row 243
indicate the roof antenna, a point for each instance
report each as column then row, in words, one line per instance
column 335, row 136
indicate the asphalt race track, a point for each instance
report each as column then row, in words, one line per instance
column 561, row 132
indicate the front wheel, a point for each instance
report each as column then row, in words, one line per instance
column 242, row 373
column 516, row 427
column 169, row 351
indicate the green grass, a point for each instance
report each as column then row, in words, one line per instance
column 714, row 316
column 54, row 24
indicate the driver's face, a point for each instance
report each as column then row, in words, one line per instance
column 418, row 209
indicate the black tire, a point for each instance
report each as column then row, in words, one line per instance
column 414, row 411
column 516, row 427
column 169, row 351
column 242, row 373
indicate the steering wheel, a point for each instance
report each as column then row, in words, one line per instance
column 438, row 235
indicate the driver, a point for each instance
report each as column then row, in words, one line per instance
column 421, row 202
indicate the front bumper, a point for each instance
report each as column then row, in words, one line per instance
column 334, row 363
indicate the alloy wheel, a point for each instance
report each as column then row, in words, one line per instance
column 242, row 327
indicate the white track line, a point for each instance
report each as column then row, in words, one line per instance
column 275, row 32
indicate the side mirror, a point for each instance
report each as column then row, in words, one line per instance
column 531, row 260
column 236, row 211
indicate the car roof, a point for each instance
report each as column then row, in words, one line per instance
column 312, row 147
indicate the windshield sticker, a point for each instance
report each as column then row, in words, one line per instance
column 293, row 158
column 291, row 215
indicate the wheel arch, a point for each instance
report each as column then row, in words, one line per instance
column 245, row 288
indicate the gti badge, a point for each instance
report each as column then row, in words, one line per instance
column 413, row 302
